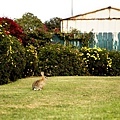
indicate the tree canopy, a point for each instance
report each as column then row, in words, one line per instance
column 53, row 24
column 34, row 29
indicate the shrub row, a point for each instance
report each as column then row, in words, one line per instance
column 58, row 60
column 17, row 61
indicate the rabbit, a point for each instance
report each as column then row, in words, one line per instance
column 39, row 84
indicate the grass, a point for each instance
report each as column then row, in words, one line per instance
column 64, row 98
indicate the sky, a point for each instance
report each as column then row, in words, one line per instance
column 47, row 9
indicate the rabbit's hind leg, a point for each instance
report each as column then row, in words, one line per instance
column 37, row 89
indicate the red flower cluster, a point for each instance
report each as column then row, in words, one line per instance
column 12, row 28
column 56, row 30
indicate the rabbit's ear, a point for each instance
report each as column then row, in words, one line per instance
column 42, row 73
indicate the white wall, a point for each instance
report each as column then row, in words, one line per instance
column 97, row 20
column 88, row 25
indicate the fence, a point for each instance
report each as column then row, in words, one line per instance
column 109, row 41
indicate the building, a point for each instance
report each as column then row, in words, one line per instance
column 104, row 23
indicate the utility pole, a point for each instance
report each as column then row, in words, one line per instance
column 71, row 7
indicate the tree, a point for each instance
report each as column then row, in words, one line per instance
column 53, row 24
column 35, row 30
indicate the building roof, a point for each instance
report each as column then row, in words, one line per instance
column 81, row 16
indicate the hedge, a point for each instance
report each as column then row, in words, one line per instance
column 98, row 61
column 59, row 60
column 115, row 67
column 17, row 61
column 12, row 59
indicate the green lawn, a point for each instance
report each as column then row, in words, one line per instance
column 63, row 98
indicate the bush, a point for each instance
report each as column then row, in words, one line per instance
column 12, row 58
column 31, row 61
column 18, row 60
column 12, row 28
column 58, row 60
column 97, row 61
column 115, row 68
